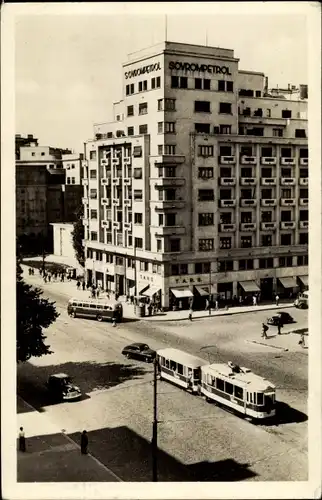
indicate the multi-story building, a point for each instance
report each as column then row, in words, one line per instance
column 200, row 185
column 24, row 141
column 72, row 163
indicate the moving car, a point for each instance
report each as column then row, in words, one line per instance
column 281, row 317
column 302, row 301
column 139, row 351
column 61, row 387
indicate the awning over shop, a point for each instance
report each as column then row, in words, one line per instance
column 288, row 282
column 142, row 289
column 249, row 286
column 151, row 291
column 305, row 280
column 181, row 294
column 203, row 290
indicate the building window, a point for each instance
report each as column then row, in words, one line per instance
column 143, row 108
column 170, row 149
column 93, row 214
column 93, row 235
column 286, row 113
column 138, row 242
column 266, row 216
column 286, row 193
column 68, row 180
column 286, row 239
column 130, row 111
column 277, row 132
column 304, row 215
column 246, row 217
column 202, row 107
column 304, row 238
column 266, row 263
column 225, row 266
column 130, row 131
column 73, row 180
column 175, row 270
column 179, row 82
column 225, row 108
column 202, row 128
column 159, row 245
column 153, row 83
column 198, row 83
column 225, row 194
column 225, row 243
column 225, row 218
column 93, row 194
column 286, row 215
column 143, row 129
column 166, row 104
column 170, row 219
column 160, row 127
column 174, row 82
column 300, row 132
column 245, row 264
column 183, row 268
column 206, row 244
column 138, row 218
column 225, row 129
column 304, row 193
column 266, row 240
column 158, row 82
column 137, row 173
column 205, row 172
column 246, row 241
column 92, row 174
column 302, row 260
column 138, row 195
column 205, row 151
column 206, row 195
column 221, row 85
column 225, row 151
column 169, row 127
column 137, row 151
column 92, row 155
column 206, row 84
column 175, row 245
column 206, row 219
column 304, row 153
column 160, row 149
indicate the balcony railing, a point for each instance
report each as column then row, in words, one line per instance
column 127, row 181
column 85, row 201
column 227, row 228
column 107, row 224
column 168, row 159
column 106, row 201
column 287, row 161
column 117, row 202
column 117, row 226
column 288, row 181
column 170, row 230
column 227, row 160
column 248, row 160
column 127, row 160
column 85, row 222
column 268, row 160
column 303, row 224
column 248, row 181
column 105, row 181
column 268, row 202
column 288, row 202
column 248, row 202
column 227, row 203
column 128, row 226
column 268, row 226
column 304, row 161
column 168, row 181
column 106, row 162
column 248, row 226
column 117, row 181
column 304, row 202
column 288, row 225
column 227, row 181
column 127, row 202
column 169, row 205
column 304, row 181
column 268, row 181
column 85, row 181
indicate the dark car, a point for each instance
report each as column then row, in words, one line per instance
column 139, row 351
column 281, row 318
column 61, row 388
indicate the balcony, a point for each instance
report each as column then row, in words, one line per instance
column 303, row 224
column 107, row 224
column 227, row 181
column 304, row 202
column 248, row 160
column 85, row 181
column 105, row 181
column 248, row 181
column 288, row 202
column 128, row 226
column 227, row 203
column 105, row 162
column 127, row 181
column 170, row 231
column 248, row 226
column 85, row 201
column 115, row 161
column 287, row 161
column 288, row 181
column 127, row 160
column 268, row 202
column 227, row 228
column 268, row 226
column 117, row 226
column 304, row 161
column 168, row 181
column 244, row 202
column 117, row 181
column 117, row 202
column 268, row 181
column 168, row 205
column 128, row 202
column 268, row 160
column 168, row 159
column 106, row 202
column 85, row 222
column 84, row 163
column 227, row 160
column 288, row 225
column 304, row 181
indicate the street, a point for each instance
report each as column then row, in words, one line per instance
column 197, row 441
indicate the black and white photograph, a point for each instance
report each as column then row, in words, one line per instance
column 161, row 175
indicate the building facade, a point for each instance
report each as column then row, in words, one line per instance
column 200, row 185
column 72, row 164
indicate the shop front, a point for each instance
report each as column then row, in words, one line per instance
column 303, row 282
column 181, row 298
column 246, row 291
column 287, row 287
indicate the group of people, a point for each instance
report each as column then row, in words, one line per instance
column 83, row 441
column 279, row 325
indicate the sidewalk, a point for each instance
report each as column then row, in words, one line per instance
column 51, row 456
column 68, row 288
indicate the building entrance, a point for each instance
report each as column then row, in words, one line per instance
column 267, row 289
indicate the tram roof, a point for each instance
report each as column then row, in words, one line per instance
column 182, row 357
column 226, row 372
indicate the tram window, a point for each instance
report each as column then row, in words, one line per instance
column 239, row 393
column 167, row 363
column 229, row 388
column 251, row 397
column 173, row 365
column 220, row 384
column 260, row 398
column 180, row 369
column 255, row 401
column 162, row 361
column 93, row 306
column 209, row 379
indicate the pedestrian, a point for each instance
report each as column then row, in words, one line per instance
column 216, row 305
column 150, row 309
column 98, row 292
column 49, row 277
column 207, row 305
column 279, row 326
column 302, row 340
column 114, row 321
column 277, row 300
column 190, row 314
column 190, row 382
column 22, row 440
column 264, row 330
column 84, row 443
column 83, row 285
column 78, row 285
column 254, row 300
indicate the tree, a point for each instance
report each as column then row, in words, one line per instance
column 34, row 313
column 78, row 236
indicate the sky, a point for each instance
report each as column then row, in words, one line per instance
column 68, row 66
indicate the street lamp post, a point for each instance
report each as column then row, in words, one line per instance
column 135, row 272
column 210, row 289
column 155, row 426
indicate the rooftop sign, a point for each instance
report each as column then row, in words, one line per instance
column 141, row 71
column 202, row 68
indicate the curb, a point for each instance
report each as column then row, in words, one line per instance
column 268, row 345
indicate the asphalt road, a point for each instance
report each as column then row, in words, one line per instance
column 197, row 440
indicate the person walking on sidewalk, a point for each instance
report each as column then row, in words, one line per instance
column 83, row 285
column 22, row 440
column 78, row 285
column 277, row 300
column 254, row 300
column 84, row 443
column 302, row 340
column 264, row 330
column 279, row 326
column 190, row 314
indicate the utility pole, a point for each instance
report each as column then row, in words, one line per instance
column 155, row 426
column 210, row 289
column 135, row 272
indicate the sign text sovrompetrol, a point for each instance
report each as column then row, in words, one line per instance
column 141, row 71
column 203, row 68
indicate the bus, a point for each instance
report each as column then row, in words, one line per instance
column 99, row 309
column 238, row 389
column 181, row 368
column 302, row 301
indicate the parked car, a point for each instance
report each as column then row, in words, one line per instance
column 281, row 318
column 139, row 351
column 61, row 387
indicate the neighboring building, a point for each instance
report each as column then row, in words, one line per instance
column 200, row 185
column 63, row 242
column 20, row 141
column 72, row 163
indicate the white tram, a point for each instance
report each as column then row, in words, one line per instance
column 181, row 368
column 239, row 389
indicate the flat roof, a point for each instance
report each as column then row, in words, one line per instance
column 182, row 357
